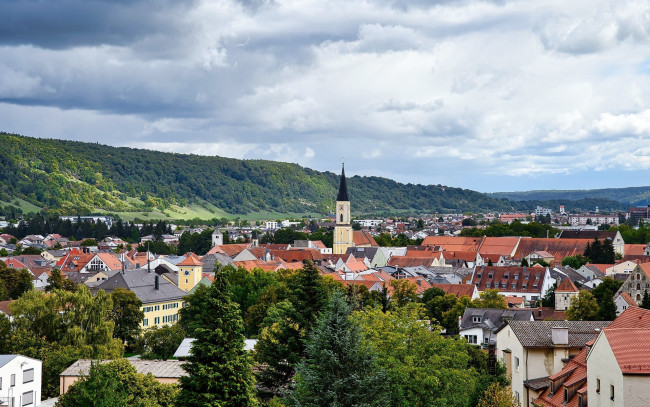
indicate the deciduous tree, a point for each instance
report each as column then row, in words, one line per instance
column 583, row 307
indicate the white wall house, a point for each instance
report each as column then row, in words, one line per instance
column 20, row 381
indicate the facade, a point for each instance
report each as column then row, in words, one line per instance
column 564, row 293
column 479, row 325
column 20, row 381
column 593, row 219
column 531, row 283
column 637, row 283
column 190, row 272
column 343, row 237
column 535, row 350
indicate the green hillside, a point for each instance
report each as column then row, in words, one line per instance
column 633, row 196
column 75, row 177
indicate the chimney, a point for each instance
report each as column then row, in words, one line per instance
column 560, row 335
column 156, row 282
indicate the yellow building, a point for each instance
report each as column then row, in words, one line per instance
column 190, row 272
column 161, row 299
column 343, row 230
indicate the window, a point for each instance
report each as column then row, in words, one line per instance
column 13, row 380
column 611, row 392
column 156, row 308
column 580, row 401
column 145, row 322
column 516, row 276
column 490, row 275
column 638, row 276
column 478, row 275
column 537, row 277
column 488, row 285
column 517, row 396
column 0, row 383
column 638, row 286
column 476, row 319
column 597, row 385
column 28, row 398
column 471, row 339
column 566, row 395
column 514, row 286
column 516, row 363
column 156, row 320
column 28, row 376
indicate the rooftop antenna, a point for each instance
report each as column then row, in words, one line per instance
column 148, row 259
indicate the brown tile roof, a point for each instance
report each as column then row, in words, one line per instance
column 458, row 290
column 537, row 334
column 453, row 243
column 291, row 266
column 548, row 314
column 250, row 264
column 633, row 317
column 490, row 277
column 421, row 284
column 588, row 234
column 566, row 286
column 4, row 307
column 191, row 260
column 112, row 262
column 402, row 261
column 498, row 246
column 297, row 255
column 634, row 249
column 630, row 302
column 463, row 255
column 559, row 248
column 363, row 238
column 230, row 250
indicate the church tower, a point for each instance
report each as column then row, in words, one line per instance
column 343, row 229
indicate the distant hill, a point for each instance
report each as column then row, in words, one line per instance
column 633, row 196
column 76, row 177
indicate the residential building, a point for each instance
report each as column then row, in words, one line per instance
column 540, row 211
column 20, row 381
column 593, row 219
column 564, row 293
column 531, row 283
column 479, row 325
column 637, row 283
column 613, row 236
column 534, row 350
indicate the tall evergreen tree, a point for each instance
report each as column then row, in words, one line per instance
column 607, row 308
column 339, row 370
column 219, row 370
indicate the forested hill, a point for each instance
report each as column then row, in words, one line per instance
column 633, row 196
column 85, row 177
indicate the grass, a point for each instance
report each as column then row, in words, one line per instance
column 25, row 206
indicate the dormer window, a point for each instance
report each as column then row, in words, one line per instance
column 526, row 276
column 524, row 286
column 490, row 275
column 506, row 275
column 535, row 286
column 566, row 395
column 488, row 285
column 476, row 319
column 638, row 276
column 514, row 286
column 479, row 275
column 537, row 277
column 516, row 276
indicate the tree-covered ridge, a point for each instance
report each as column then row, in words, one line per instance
column 75, row 176
column 632, row 195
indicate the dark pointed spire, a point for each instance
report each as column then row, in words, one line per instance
column 343, row 187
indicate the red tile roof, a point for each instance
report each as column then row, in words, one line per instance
column 458, row 290
column 631, row 347
column 452, row 243
column 633, row 317
column 559, row 248
column 566, row 286
column 626, row 297
column 491, row 277
column 402, row 261
column 191, row 260
column 498, row 246
column 4, row 307
column 363, row 238
column 634, row 249
column 297, row 255
column 574, row 373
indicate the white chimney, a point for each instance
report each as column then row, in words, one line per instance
column 560, row 335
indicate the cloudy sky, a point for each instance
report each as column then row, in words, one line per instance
column 489, row 95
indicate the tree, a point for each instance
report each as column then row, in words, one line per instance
column 127, row 315
column 404, row 292
column 491, row 298
column 645, row 302
column 498, row 396
column 54, row 281
column 15, row 282
column 339, row 369
column 219, row 370
column 583, row 307
column 549, row 298
column 607, row 308
column 601, row 252
column 575, row 262
column 417, row 357
column 162, row 342
column 118, row 384
column 524, row 262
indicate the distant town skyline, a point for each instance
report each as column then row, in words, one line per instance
column 487, row 95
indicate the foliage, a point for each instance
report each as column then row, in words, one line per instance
column 498, row 396
column 491, row 298
column 386, row 240
column 118, row 384
column 417, row 357
column 219, row 370
column 645, row 302
column 127, row 315
column 575, row 262
column 583, row 307
column 162, row 342
column 199, row 243
column 404, row 292
column 339, row 369
column 13, row 282
column 604, row 294
column 600, row 252
column 549, row 298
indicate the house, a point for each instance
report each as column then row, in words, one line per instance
column 531, row 283
column 164, row 371
column 572, row 385
column 591, row 271
column 564, row 293
column 4, row 309
column 363, row 238
column 558, row 248
column 623, row 301
column 479, row 325
column 161, row 299
column 535, row 350
column 622, row 267
column 540, row 256
column 637, row 283
column 20, row 381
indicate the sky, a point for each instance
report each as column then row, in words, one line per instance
column 488, row 95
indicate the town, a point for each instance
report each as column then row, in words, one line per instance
column 553, row 310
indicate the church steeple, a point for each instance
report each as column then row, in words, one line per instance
column 343, row 187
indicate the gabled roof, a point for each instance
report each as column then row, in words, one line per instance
column 529, row 280
column 158, row 368
column 4, row 307
column 588, row 234
column 631, row 347
column 402, row 261
column 492, row 318
column 499, row 246
column 190, row 260
column 632, row 317
column 634, row 249
column 574, row 373
column 112, row 262
column 362, row 238
column 453, row 243
column 297, row 255
column 566, row 286
column 142, row 283
column 457, row 289
column 559, row 248
column 537, row 334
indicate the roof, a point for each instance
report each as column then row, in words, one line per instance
column 566, row 286
column 559, row 248
column 574, row 373
column 184, row 348
column 142, row 283
column 343, row 187
column 628, row 300
column 492, row 318
column 457, row 289
column 403, row 261
column 634, row 249
column 632, row 317
column 453, row 243
column 548, row 314
column 631, row 347
column 588, row 234
column 4, row 359
column 110, row 260
column 158, row 368
column 297, row 255
column 499, row 246
column 362, row 238
column 510, row 279
column 537, row 334
column 4, row 307
column 190, row 260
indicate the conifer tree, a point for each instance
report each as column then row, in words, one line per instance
column 219, row 370
column 607, row 308
column 339, row 370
